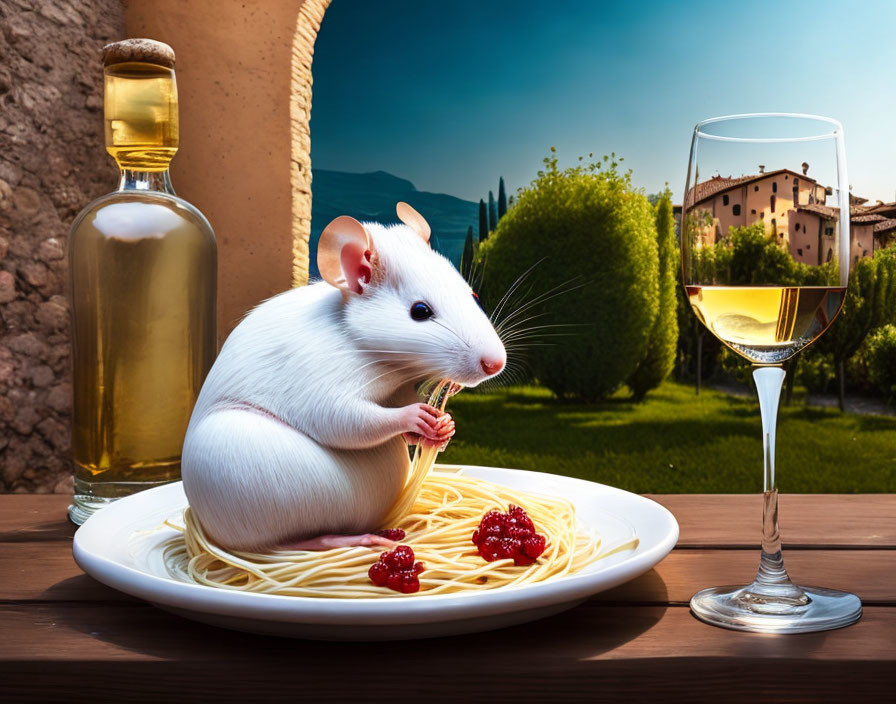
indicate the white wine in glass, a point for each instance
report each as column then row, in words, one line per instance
column 766, row 255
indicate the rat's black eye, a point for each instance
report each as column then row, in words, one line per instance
column 421, row 311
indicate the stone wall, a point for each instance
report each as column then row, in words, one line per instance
column 52, row 163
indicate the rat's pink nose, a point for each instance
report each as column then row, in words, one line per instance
column 491, row 366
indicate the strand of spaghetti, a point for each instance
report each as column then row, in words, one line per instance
column 424, row 458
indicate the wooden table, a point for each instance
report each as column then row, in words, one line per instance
column 67, row 637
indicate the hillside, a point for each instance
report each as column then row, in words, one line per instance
column 372, row 196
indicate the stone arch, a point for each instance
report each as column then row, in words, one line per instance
column 308, row 21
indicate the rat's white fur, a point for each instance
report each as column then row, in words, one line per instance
column 297, row 429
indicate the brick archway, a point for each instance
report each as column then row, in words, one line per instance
column 307, row 26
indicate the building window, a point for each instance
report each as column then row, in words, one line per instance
column 771, row 201
column 796, row 183
column 774, row 186
column 799, row 252
column 786, row 176
column 753, row 212
column 735, row 209
column 829, row 231
column 808, row 246
column 830, row 255
column 755, row 188
column 725, row 200
column 864, row 253
column 796, row 228
column 796, row 195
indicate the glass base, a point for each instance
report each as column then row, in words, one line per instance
column 90, row 497
column 742, row 609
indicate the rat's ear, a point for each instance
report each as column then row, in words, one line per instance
column 343, row 254
column 414, row 220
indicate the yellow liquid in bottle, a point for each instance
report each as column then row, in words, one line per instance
column 144, row 337
column 141, row 115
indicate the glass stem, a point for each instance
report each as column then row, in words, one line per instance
column 772, row 582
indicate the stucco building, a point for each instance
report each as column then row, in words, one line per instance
column 792, row 206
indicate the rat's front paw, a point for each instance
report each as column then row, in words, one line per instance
column 445, row 431
column 421, row 420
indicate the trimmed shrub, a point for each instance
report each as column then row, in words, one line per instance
column 660, row 355
column 589, row 236
column 881, row 356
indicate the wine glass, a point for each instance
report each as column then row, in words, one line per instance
column 766, row 255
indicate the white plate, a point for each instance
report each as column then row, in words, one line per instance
column 109, row 548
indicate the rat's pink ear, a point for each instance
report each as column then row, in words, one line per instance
column 413, row 220
column 343, row 254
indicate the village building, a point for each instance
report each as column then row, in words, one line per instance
column 792, row 206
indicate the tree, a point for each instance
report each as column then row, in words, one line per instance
column 492, row 212
column 597, row 272
column 483, row 221
column 466, row 257
column 502, row 199
column 660, row 356
column 881, row 351
column 860, row 314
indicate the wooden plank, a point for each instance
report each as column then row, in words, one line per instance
column 706, row 520
column 45, row 570
column 30, row 517
column 806, row 520
column 136, row 653
column 82, row 632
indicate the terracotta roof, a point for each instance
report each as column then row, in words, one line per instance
column 717, row 184
column 885, row 226
column 824, row 210
column 881, row 208
column 866, row 217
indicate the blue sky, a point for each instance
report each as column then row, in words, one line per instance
column 452, row 95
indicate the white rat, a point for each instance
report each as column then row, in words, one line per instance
column 299, row 436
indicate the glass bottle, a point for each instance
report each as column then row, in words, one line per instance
column 143, row 267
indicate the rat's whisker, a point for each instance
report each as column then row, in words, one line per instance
column 503, row 323
column 441, row 324
column 542, row 298
column 503, row 301
column 546, row 326
column 385, row 374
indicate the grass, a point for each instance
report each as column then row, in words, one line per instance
column 674, row 442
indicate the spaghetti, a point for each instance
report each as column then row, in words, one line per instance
column 438, row 512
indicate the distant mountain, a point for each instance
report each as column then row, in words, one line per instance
column 373, row 196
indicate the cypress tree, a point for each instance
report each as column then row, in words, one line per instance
column 492, row 212
column 483, row 221
column 466, row 258
column 502, row 199
column 659, row 357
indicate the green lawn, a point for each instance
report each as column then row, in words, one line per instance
column 674, row 442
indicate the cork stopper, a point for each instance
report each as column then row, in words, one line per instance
column 143, row 50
